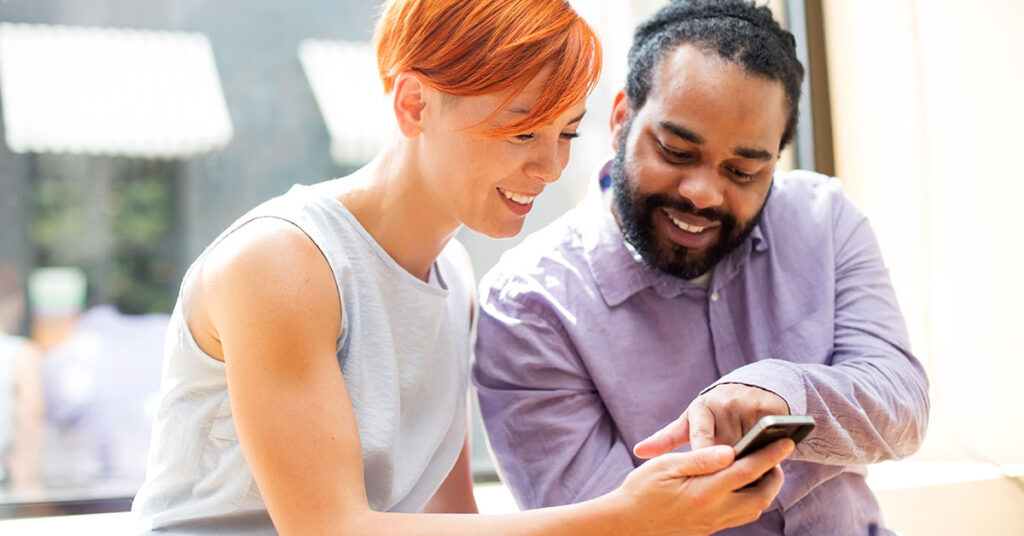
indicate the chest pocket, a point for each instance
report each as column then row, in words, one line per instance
column 223, row 426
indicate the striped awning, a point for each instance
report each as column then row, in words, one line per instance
column 99, row 91
column 343, row 77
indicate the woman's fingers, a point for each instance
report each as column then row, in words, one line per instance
column 770, row 484
column 748, row 504
column 753, row 466
column 696, row 463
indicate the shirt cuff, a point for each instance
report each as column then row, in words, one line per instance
column 782, row 378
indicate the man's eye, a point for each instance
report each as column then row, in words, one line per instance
column 676, row 155
column 742, row 175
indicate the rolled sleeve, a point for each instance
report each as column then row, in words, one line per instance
column 870, row 398
column 774, row 375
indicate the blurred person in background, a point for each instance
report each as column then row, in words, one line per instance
column 101, row 373
column 21, row 390
column 316, row 369
column 697, row 288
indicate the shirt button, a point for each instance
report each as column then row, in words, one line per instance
column 714, row 296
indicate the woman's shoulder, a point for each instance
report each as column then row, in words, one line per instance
column 266, row 271
column 294, row 233
column 261, row 248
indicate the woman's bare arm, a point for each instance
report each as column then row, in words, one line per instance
column 455, row 496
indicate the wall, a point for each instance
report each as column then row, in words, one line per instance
column 926, row 107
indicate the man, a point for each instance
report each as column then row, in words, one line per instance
column 700, row 291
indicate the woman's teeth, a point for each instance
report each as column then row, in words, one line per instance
column 684, row 226
column 518, row 198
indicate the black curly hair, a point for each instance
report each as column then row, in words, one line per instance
column 736, row 30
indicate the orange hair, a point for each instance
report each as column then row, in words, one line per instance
column 476, row 47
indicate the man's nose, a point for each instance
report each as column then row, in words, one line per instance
column 702, row 187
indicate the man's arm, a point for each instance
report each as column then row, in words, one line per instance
column 870, row 401
column 552, row 436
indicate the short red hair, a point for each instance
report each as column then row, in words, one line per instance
column 476, row 47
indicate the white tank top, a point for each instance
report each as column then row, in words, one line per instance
column 404, row 351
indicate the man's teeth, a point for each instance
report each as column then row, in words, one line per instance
column 684, row 226
column 518, row 198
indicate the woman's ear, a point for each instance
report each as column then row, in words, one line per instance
column 409, row 102
column 620, row 116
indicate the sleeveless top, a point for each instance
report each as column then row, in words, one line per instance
column 403, row 348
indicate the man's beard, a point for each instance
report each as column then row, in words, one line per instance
column 637, row 211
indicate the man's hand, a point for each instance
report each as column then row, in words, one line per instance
column 718, row 417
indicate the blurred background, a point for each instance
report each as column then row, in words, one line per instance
column 134, row 132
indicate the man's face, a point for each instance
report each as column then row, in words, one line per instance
column 693, row 166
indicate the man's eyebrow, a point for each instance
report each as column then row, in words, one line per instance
column 752, row 153
column 682, row 132
column 696, row 139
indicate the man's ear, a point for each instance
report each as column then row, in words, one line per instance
column 620, row 116
column 408, row 103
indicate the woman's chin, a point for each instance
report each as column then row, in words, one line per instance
column 492, row 229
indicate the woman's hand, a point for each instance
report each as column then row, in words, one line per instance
column 696, row 492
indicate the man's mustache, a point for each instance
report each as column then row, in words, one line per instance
column 656, row 201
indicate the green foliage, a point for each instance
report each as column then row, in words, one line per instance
column 115, row 222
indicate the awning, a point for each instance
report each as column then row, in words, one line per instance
column 343, row 77
column 98, row 91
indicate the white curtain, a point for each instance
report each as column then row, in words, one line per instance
column 926, row 100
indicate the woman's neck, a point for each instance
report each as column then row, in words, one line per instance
column 393, row 202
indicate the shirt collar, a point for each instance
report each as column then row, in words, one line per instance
column 620, row 274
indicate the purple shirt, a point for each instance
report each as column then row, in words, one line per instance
column 583, row 351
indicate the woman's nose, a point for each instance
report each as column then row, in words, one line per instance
column 547, row 162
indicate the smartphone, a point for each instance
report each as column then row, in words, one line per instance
column 769, row 429
column 772, row 428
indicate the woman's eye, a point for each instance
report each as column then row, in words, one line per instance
column 524, row 137
column 570, row 135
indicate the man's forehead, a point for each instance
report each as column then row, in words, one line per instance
column 691, row 57
column 689, row 67
column 699, row 89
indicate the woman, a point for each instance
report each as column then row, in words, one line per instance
column 316, row 373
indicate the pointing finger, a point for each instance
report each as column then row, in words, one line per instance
column 669, row 438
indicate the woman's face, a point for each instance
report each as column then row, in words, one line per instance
column 489, row 185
